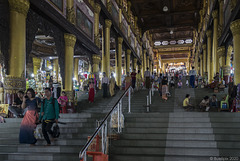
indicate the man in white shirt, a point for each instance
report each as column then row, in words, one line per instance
column 192, row 74
column 147, row 76
column 105, row 83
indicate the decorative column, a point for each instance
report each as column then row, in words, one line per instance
column 214, row 49
column 147, row 62
column 209, row 55
column 76, row 63
column 235, row 28
column 70, row 41
column 221, row 16
column 135, row 64
column 55, row 68
column 120, row 15
column 142, row 69
column 145, row 59
column 221, row 53
column 36, row 65
column 109, row 6
column 196, row 62
column 227, row 66
column 119, row 62
column 15, row 81
column 108, row 24
column 201, row 64
column 204, row 58
column 71, row 17
column 128, row 60
column 97, row 9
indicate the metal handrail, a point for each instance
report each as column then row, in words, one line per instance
column 81, row 153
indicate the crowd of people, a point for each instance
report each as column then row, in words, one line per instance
column 34, row 111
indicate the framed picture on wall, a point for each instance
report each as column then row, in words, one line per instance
column 58, row 4
column 84, row 23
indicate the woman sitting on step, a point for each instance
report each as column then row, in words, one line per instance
column 186, row 105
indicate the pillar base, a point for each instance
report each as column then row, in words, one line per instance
column 11, row 86
column 70, row 104
column 226, row 73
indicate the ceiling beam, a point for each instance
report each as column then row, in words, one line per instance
column 157, row 14
column 173, row 52
column 152, row 26
column 174, row 60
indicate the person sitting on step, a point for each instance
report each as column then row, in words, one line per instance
column 205, row 104
column 186, row 105
column 213, row 101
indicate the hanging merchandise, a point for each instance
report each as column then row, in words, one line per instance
column 27, row 84
column 32, row 83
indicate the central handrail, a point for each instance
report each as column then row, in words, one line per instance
column 102, row 124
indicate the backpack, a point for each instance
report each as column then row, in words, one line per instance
column 53, row 102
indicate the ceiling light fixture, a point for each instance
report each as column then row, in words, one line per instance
column 165, row 8
column 171, row 32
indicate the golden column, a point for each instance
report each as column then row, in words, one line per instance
column 142, row 69
column 36, row 65
column 221, row 15
column 71, row 17
column 201, row 64
column 204, row 58
column 128, row 60
column 18, row 14
column 196, row 62
column 76, row 63
column 208, row 7
column 235, row 28
column 96, row 60
column 221, row 53
column 209, row 55
column 214, row 48
column 135, row 64
column 97, row 9
column 108, row 24
column 119, row 62
column 15, row 81
column 145, row 60
column 55, row 68
column 227, row 66
column 70, row 41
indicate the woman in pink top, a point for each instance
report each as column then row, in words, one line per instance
column 62, row 100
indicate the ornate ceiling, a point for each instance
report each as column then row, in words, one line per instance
column 177, row 22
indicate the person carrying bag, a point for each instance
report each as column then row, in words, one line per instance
column 49, row 114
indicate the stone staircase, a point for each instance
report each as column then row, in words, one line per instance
column 168, row 133
column 73, row 135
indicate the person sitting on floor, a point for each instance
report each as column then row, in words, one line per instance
column 205, row 104
column 213, row 101
column 186, row 105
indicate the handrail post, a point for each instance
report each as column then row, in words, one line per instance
column 103, row 145
column 147, row 103
column 118, row 111
column 85, row 156
column 121, row 123
column 129, row 100
column 150, row 97
column 105, row 138
column 152, row 90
